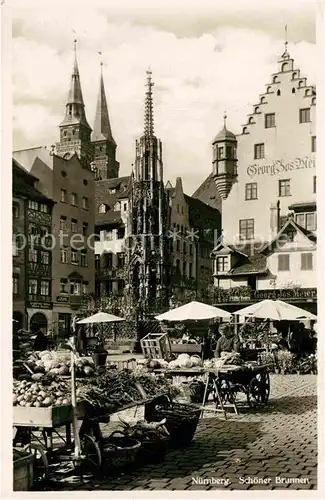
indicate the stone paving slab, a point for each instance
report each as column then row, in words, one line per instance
column 280, row 440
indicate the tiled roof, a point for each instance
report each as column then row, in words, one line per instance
column 256, row 264
column 110, row 218
column 208, row 193
column 290, row 222
column 202, row 215
column 23, row 184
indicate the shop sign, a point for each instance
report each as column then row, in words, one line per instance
column 297, row 293
column 40, row 305
column 279, row 166
column 62, row 299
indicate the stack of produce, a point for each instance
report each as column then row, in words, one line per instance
column 109, row 391
column 229, row 358
column 38, row 394
column 144, row 431
column 154, row 384
column 51, row 362
column 182, row 361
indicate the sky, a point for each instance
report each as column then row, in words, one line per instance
column 205, row 58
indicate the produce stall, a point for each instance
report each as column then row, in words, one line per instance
column 223, row 379
column 44, row 415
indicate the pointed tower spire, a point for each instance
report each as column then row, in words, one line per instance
column 148, row 107
column 74, row 129
column 102, row 128
column 75, row 108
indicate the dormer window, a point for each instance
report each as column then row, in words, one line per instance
column 222, row 264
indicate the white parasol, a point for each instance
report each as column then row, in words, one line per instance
column 193, row 311
column 100, row 317
column 275, row 310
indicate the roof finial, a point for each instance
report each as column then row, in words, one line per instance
column 148, row 111
column 101, row 61
column 285, row 42
column 225, row 119
column 75, row 41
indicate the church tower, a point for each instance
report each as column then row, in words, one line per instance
column 147, row 259
column 104, row 145
column 74, row 129
column 224, row 160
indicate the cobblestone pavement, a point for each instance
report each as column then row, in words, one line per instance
column 278, row 441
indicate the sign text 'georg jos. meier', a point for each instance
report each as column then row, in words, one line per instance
column 279, row 166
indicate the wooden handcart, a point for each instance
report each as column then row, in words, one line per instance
column 224, row 384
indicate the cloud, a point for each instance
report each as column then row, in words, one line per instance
column 197, row 77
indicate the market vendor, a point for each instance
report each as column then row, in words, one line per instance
column 228, row 342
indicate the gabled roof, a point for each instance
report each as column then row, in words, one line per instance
column 256, row 264
column 23, row 184
column 208, row 193
column 202, row 215
column 228, row 249
column 289, row 223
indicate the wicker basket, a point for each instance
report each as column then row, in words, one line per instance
column 181, row 419
column 119, row 450
column 153, row 451
column 197, row 391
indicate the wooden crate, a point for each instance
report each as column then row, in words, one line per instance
column 187, row 349
column 53, row 416
column 156, row 346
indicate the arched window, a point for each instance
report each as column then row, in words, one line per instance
column 269, row 89
column 251, row 119
column 294, row 76
column 73, row 131
column 263, row 99
column 102, row 209
column 276, row 79
column 278, row 92
column 307, row 92
column 257, row 109
column 313, row 101
column 245, row 130
column 301, row 84
column 284, row 67
column 293, row 90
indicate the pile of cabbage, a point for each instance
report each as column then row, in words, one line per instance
column 182, row 361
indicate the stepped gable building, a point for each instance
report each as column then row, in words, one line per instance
column 66, row 177
column 266, row 177
column 32, row 260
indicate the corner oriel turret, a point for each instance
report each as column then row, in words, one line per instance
column 224, row 160
column 74, row 129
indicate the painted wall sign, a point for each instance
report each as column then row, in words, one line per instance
column 62, row 299
column 279, row 166
column 40, row 305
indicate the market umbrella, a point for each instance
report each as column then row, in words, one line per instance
column 100, row 317
column 275, row 310
column 193, row 311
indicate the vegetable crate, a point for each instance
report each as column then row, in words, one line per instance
column 156, row 346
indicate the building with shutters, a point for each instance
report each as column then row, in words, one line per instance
column 266, row 179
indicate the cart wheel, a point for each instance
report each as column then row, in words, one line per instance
column 258, row 390
column 91, row 456
column 41, row 465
